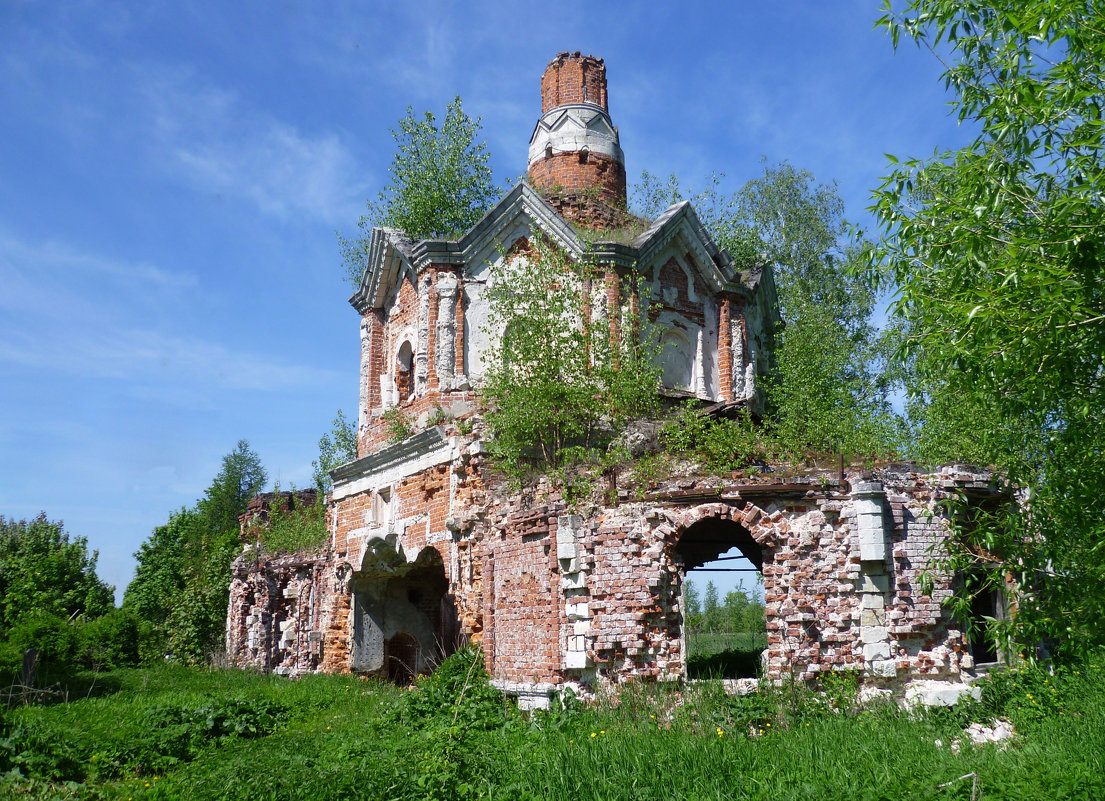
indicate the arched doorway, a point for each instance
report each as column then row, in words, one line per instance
column 723, row 630
column 404, row 619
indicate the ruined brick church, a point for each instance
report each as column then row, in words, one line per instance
column 426, row 551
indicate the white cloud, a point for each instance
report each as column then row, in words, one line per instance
column 75, row 313
column 213, row 140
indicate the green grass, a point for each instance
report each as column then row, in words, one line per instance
column 718, row 655
column 170, row 732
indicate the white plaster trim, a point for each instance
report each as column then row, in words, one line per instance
column 396, row 470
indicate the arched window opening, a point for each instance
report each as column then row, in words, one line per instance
column 677, row 359
column 404, row 372
column 724, row 628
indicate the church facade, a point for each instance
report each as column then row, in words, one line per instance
column 427, row 551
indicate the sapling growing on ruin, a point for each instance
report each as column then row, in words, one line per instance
column 561, row 373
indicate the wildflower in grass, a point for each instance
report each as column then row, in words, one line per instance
column 720, row 733
column 593, row 735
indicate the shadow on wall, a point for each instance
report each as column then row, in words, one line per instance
column 404, row 620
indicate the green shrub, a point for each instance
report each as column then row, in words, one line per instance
column 457, row 691
column 112, row 641
column 721, row 445
column 57, row 640
column 299, row 529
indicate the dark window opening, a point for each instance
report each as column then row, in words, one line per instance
column 404, row 372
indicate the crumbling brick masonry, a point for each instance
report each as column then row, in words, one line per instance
column 426, row 551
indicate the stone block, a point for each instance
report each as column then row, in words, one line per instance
column 566, row 550
column 578, row 611
column 886, row 668
column 869, row 634
column 875, row 651
column 874, row 582
column 529, row 701
column 576, row 660
column 582, row 627
column 872, row 617
column 939, row 693
column 872, row 601
column 570, row 565
column 573, row 581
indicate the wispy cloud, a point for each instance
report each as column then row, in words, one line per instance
column 214, row 141
column 82, row 314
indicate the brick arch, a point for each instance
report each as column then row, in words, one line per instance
column 755, row 520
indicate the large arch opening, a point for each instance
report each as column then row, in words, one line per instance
column 722, row 609
column 404, row 619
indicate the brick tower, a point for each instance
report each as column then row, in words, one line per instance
column 574, row 152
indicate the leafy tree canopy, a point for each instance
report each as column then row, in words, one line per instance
column 828, row 391
column 441, row 183
column 241, row 477
column 45, row 571
column 996, row 251
column 182, row 584
column 554, row 379
column 336, row 447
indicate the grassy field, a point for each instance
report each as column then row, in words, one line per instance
column 170, row 732
column 719, row 655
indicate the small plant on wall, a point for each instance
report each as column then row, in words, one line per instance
column 398, row 424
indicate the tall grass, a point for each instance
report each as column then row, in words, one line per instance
column 173, row 732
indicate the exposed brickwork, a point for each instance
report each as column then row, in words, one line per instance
column 585, row 210
column 573, row 78
column 426, row 548
column 587, row 178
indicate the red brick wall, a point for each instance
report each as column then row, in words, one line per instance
column 593, row 174
column 523, row 600
column 573, row 78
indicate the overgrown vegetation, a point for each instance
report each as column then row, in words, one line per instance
column 441, row 183
column 175, row 732
column 558, row 384
column 336, row 447
column 292, row 528
column 720, row 445
column 828, row 392
column 996, row 252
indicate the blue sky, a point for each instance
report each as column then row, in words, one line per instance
column 172, row 176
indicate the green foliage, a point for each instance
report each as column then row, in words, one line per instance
column 113, row 641
column 45, row 572
column 457, row 692
column 57, row 640
column 336, row 737
column 996, row 251
column 441, row 183
column 721, row 445
column 397, row 424
column 239, row 479
column 298, row 529
column 828, row 392
column 335, row 448
column 692, row 605
column 557, row 383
